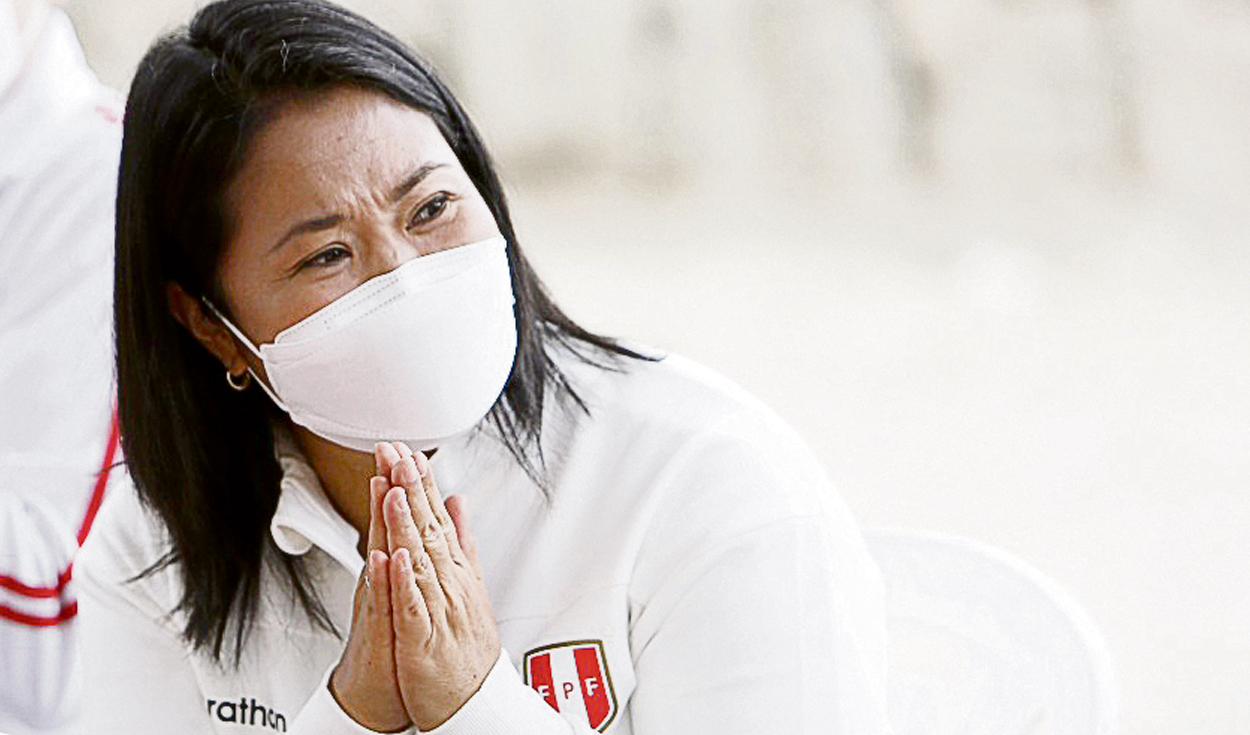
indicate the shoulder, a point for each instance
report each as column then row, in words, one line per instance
column 116, row 562
column 63, row 133
column 670, row 394
column 63, row 122
column 691, row 436
column 662, row 371
column 705, row 475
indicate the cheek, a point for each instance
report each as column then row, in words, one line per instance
column 479, row 223
column 276, row 309
column 260, row 309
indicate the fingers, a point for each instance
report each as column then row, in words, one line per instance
column 445, row 639
column 413, row 473
column 430, row 488
column 423, row 546
column 415, row 588
column 402, row 468
column 378, row 597
column 372, row 612
column 434, row 500
column 364, row 682
column 460, row 519
column 406, row 474
column 412, row 466
column 421, row 526
column 377, row 526
column 373, row 599
column 385, row 456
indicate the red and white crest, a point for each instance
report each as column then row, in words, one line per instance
column 573, row 677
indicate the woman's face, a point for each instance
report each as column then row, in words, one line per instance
column 338, row 188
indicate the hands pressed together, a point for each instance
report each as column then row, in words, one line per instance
column 423, row 634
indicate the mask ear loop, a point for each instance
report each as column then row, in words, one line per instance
column 238, row 333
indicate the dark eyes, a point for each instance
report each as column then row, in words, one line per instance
column 326, row 258
column 430, row 210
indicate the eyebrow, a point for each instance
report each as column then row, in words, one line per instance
column 414, row 178
column 317, row 224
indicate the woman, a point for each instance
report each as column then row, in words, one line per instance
column 305, row 208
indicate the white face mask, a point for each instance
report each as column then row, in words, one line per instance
column 419, row 354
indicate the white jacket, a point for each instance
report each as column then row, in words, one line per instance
column 60, row 137
column 693, row 572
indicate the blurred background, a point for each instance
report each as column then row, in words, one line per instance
column 990, row 257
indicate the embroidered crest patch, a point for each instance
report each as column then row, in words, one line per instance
column 573, row 677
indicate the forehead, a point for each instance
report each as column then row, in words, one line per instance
column 320, row 151
column 343, row 126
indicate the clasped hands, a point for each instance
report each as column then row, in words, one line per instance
column 423, row 635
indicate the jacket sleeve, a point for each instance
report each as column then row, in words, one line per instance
column 755, row 606
column 759, row 636
column 56, row 273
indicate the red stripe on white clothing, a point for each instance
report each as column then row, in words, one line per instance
column 38, row 592
column 594, row 688
column 66, row 614
column 101, row 482
column 541, row 681
column 20, row 588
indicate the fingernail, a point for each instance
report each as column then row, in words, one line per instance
column 410, row 472
column 422, row 462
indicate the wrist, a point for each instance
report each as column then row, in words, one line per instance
column 436, row 714
column 353, row 699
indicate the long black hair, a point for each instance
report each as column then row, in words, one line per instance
column 202, row 456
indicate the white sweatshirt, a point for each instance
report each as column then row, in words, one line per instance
column 693, row 572
column 60, row 137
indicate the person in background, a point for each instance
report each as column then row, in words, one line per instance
column 334, row 360
column 60, row 137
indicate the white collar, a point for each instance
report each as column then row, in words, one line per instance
column 306, row 518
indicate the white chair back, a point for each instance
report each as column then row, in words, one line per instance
column 981, row 643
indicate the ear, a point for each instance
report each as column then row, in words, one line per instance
column 205, row 327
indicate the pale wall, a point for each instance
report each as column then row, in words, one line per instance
column 990, row 258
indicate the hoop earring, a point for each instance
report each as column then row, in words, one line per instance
column 240, row 383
